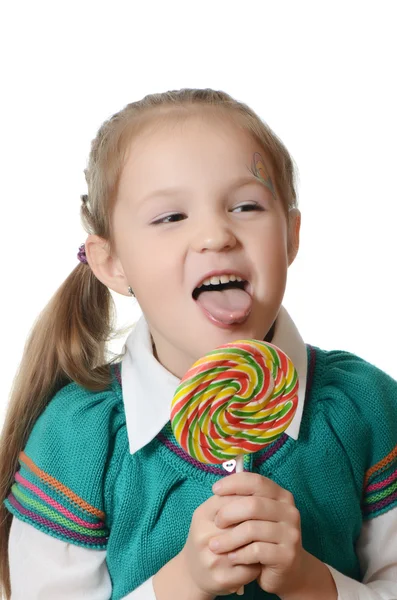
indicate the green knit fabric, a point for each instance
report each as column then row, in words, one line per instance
column 79, row 483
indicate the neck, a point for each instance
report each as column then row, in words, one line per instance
column 268, row 338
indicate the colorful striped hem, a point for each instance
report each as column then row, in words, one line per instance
column 166, row 441
column 275, row 447
column 59, row 488
column 380, row 491
column 41, row 500
column 52, row 528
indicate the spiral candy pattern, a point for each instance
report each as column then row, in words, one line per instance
column 235, row 400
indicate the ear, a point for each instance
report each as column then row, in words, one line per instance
column 294, row 225
column 106, row 268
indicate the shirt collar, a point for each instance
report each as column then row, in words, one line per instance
column 148, row 388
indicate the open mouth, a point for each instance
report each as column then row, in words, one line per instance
column 225, row 299
column 220, row 287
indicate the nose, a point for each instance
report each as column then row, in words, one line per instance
column 213, row 233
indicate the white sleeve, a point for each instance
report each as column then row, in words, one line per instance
column 44, row 567
column 377, row 553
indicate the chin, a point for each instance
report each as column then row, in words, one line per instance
column 232, row 334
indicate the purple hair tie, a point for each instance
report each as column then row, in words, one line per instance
column 81, row 254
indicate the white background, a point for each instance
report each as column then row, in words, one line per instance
column 322, row 74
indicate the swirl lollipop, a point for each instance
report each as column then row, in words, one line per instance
column 237, row 399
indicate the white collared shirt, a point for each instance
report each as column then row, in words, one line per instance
column 78, row 572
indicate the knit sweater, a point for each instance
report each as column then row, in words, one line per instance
column 78, row 482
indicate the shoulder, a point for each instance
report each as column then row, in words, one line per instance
column 343, row 374
column 359, row 402
column 69, row 459
column 78, row 419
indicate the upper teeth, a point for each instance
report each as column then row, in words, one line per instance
column 216, row 280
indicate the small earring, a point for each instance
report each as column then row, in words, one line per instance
column 130, row 291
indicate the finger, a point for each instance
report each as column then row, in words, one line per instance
column 212, row 506
column 236, row 577
column 261, row 552
column 251, row 484
column 257, row 508
column 246, row 533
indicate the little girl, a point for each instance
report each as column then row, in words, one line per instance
column 191, row 208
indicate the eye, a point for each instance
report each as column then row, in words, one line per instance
column 172, row 218
column 248, row 207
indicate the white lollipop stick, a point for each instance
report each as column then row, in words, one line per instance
column 229, row 466
column 240, row 469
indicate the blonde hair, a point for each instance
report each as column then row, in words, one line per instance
column 69, row 339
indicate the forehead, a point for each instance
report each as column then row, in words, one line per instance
column 189, row 151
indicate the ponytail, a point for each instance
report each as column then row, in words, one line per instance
column 67, row 343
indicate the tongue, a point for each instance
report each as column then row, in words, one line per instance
column 227, row 306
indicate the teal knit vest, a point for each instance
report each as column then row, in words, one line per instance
column 78, row 482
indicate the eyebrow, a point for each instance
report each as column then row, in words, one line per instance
column 237, row 183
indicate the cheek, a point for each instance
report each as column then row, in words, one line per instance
column 271, row 256
column 274, row 241
column 155, row 274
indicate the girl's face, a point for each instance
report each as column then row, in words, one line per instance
column 196, row 198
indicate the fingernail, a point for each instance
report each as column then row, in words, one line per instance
column 217, row 487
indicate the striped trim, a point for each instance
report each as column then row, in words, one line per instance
column 275, row 447
column 186, row 457
column 377, row 486
column 47, row 504
column 47, row 525
column 380, row 466
column 64, row 511
column 60, row 488
column 380, row 486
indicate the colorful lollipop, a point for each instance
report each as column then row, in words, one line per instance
column 235, row 400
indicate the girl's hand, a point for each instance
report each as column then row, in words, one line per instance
column 262, row 526
column 213, row 574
